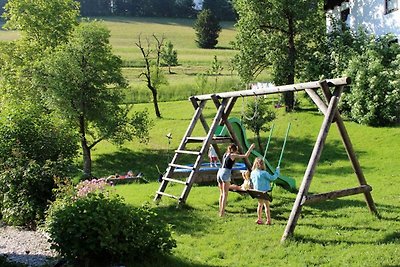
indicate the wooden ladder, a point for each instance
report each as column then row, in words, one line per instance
column 188, row 138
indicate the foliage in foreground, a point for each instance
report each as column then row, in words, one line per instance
column 33, row 150
column 5, row 263
column 92, row 226
column 26, row 189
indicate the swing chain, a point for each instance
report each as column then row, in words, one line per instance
column 255, row 109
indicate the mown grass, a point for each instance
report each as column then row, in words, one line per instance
column 339, row 232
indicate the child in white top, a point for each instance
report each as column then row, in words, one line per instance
column 212, row 156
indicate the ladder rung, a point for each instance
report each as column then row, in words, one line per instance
column 174, row 180
column 193, row 139
column 181, row 166
column 187, row 152
column 167, row 195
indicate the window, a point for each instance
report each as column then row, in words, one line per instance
column 391, row 5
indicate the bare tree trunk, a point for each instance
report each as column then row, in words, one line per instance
column 87, row 160
column 155, row 102
column 148, row 73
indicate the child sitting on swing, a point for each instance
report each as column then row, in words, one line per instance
column 246, row 183
column 261, row 180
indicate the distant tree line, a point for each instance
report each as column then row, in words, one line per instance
column 154, row 8
column 223, row 9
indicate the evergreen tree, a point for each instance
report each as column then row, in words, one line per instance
column 207, row 29
column 169, row 56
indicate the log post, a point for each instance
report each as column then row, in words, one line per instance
column 350, row 152
column 315, row 156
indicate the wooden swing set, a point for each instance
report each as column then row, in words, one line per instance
column 224, row 103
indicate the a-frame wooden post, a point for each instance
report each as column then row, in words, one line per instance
column 331, row 114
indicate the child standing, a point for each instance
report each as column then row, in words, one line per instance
column 262, row 182
column 224, row 173
column 213, row 156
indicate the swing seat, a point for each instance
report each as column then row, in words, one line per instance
column 260, row 194
column 240, row 192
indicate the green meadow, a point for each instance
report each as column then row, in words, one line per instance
column 339, row 232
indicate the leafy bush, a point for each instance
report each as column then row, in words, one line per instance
column 34, row 149
column 26, row 189
column 374, row 97
column 97, row 227
column 5, row 263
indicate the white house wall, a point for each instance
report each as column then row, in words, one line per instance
column 369, row 14
column 198, row 4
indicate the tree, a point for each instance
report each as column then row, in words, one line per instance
column 184, row 8
column 153, row 73
column 45, row 23
column 276, row 33
column 207, row 29
column 36, row 144
column 169, row 56
column 256, row 117
column 216, row 68
column 82, row 80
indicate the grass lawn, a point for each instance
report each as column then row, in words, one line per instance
column 338, row 232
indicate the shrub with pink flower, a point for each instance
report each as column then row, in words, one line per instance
column 91, row 186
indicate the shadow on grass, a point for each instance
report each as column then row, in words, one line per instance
column 390, row 238
column 168, row 261
column 184, row 219
column 391, row 213
column 125, row 159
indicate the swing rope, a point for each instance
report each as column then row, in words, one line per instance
column 284, row 144
column 269, row 139
column 280, row 158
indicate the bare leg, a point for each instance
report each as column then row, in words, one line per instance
column 259, row 210
column 225, row 191
column 267, row 212
column 221, row 193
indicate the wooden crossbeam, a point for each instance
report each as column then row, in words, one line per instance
column 335, row 194
column 276, row 89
